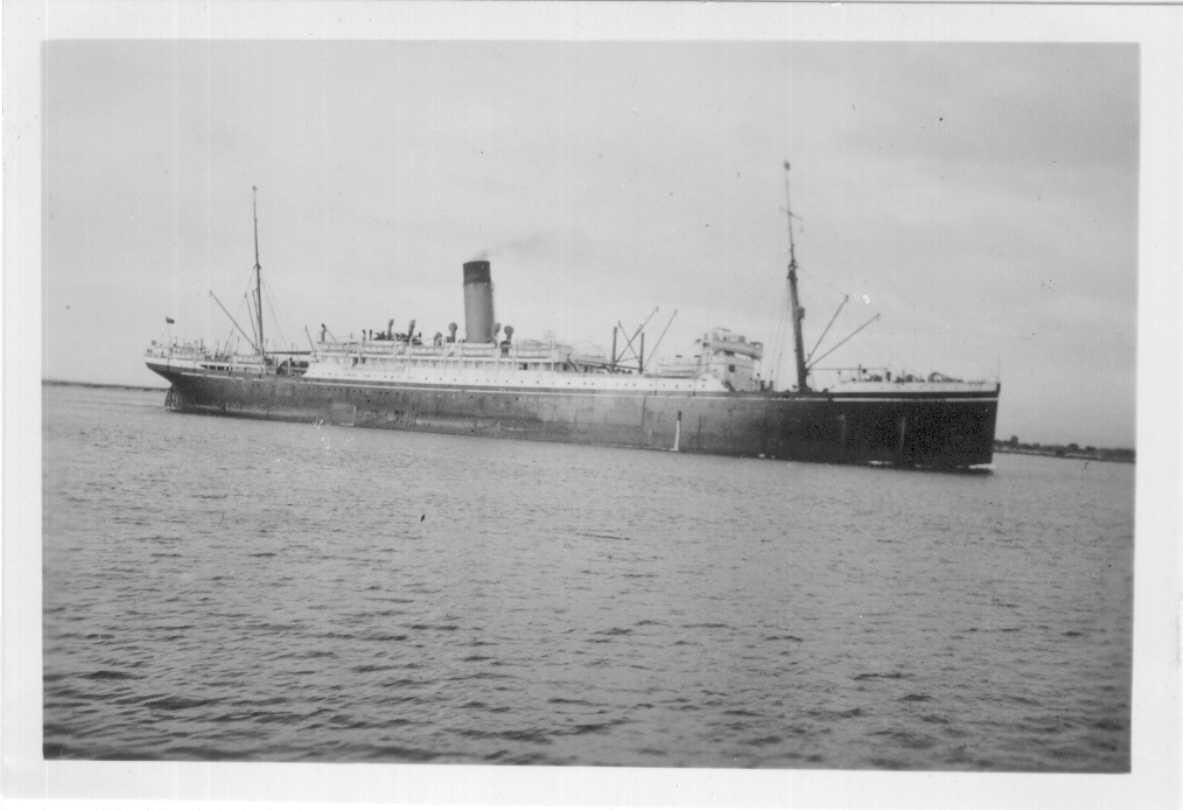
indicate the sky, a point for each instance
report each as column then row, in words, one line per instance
column 981, row 198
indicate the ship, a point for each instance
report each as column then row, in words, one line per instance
column 488, row 383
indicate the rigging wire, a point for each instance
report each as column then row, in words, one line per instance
column 270, row 296
column 270, row 300
column 246, row 297
column 934, row 314
column 781, row 334
column 940, row 319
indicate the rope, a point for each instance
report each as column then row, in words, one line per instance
column 283, row 340
column 782, row 323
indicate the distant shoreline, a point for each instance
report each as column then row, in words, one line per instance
column 1079, row 455
column 120, row 386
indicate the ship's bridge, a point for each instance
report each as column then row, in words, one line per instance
column 731, row 343
column 722, row 355
column 732, row 359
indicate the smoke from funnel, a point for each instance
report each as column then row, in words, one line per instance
column 531, row 244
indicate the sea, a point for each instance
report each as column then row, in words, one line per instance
column 231, row 589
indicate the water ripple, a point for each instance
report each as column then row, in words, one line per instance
column 230, row 589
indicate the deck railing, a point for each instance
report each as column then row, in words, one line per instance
column 549, row 352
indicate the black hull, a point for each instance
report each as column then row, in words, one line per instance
column 909, row 429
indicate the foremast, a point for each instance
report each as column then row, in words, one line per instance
column 258, row 275
column 797, row 311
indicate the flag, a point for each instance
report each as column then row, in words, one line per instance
column 786, row 165
column 168, row 319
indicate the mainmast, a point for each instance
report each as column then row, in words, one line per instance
column 258, row 273
column 798, row 312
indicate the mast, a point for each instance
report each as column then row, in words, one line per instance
column 798, row 312
column 258, row 273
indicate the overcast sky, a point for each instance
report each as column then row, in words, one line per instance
column 983, row 198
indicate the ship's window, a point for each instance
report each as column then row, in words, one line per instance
column 731, row 367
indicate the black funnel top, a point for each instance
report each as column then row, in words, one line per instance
column 476, row 272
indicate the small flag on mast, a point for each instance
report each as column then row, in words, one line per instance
column 786, row 165
column 168, row 319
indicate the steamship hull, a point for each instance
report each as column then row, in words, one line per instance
column 910, row 429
